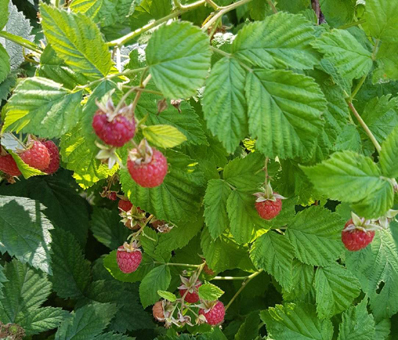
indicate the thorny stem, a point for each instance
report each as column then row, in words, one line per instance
column 271, row 4
column 214, row 16
column 244, row 284
column 130, row 36
column 179, row 264
column 229, row 278
column 229, row 55
column 364, row 126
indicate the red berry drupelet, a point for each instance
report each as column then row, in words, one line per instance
column 215, row 315
column 54, row 157
column 147, row 167
column 192, row 296
column 36, row 156
column 356, row 239
column 269, row 209
column 128, row 258
column 9, row 166
column 125, row 205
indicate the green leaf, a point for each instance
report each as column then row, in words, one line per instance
column 297, row 322
column 273, row 253
column 4, row 10
column 42, row 107
column 345, row 53
column 381, row 20
column 7, row 84
column 24, row 292
column 164, row 136
column 376, row 267
column 210, row 292
column 2, row 280
column 357, row 324
column 336, row 288
column 26, row 170
column 246, row 173
column 350, row 177
column 224, row 103
column 389, row 155
column 249, row 329
column 282, row 103
column 77, row 40
column 25, row 231
column 381, row 116
column 338, row 12
column 5, row 67
column 215, row 203
column 387, row 60
column 65, row 207
column 316, row 236
column 177, row 199
column 78, row 147
column 293, row 6
column 302, row 278
column 223, row 253
column 167, row 295
column 90, row 8
column 179, row 71
column 281, row 40
column 87, row 322
column 157, row 279
column 107, row 229
column 69, row 265
column 54, row 68
column 383, row 329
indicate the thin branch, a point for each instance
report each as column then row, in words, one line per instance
column 352, row 24
column 358, row 87
column 138, row 95
column 271, row 4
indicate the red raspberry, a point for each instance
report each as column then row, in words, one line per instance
column 215, row 315
column 269, row 209
column 9, row 166
column 112, row 196
column 192, row 295
column 157, row 311
column 36, row 156
column 128, row 261
column 125, row 205
column 149, row 175
column 116, row 132
column 356, row 239
column 54, row 157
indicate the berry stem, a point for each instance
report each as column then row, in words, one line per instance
column 179, row 264
column 271, row 4
column 138, row 95
column 266, row 171
column 244, row 284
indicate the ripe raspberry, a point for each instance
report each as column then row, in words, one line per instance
column 149, row 175
column 356, row 239
column 157, row 311
column 54, row 157
column 36, row 156
column 192, row 295
column 125, row 205
column 128, row 260
column 116, row 132
column 9, row 166
column 215, row 315
column 269, row 209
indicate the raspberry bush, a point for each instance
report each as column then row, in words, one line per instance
column 198, row 169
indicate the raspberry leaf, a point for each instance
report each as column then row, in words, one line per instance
column 335, row 288
column 376, row 267
column 296, row 321
column 25, row 231
column 179, row 71
column 163, row 136
column 224, row 103
column 280, row 41
column 302, row 281
column 209, row 292
column 24, row 293
column 389, row 155
column 43, row 107
column 357, row 324
column 26, row 170
column 167, row 295
column 273, row 253
column 282, row 103
column 68, row 35
column 345, row 53
column 215, row 202
column 4, row 64
column 4, row 10
column 158, row 278
column 315, row 235
column 88, row 322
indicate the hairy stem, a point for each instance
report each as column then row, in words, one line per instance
column 244, row 284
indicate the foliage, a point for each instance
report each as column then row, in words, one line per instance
column 250, row 101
